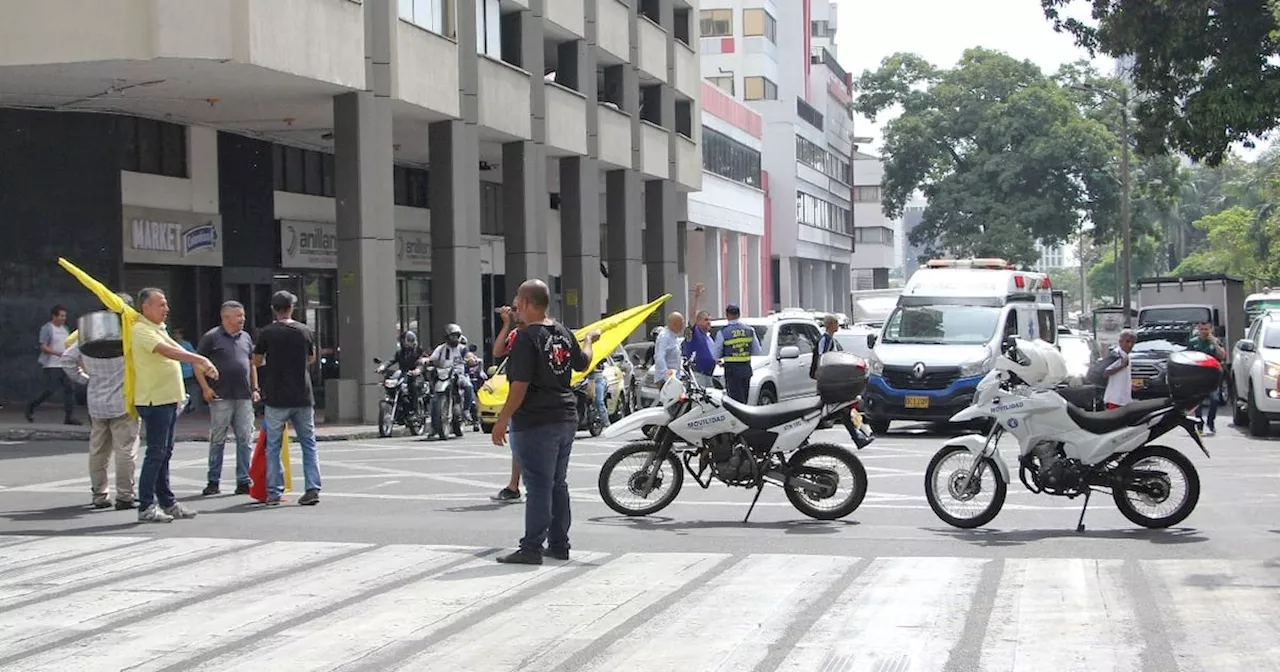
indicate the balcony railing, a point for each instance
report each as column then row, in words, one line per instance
column 821, row 55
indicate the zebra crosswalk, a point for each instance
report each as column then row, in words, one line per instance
column 197, row 604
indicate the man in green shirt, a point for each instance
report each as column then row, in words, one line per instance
column 1205, row 341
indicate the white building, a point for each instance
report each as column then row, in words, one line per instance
column 780, row 58
column 875, row 237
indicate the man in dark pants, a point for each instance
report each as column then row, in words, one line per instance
column 736, row 343
column 544, row 417
column 53, row 337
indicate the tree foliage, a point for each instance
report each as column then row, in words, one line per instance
column 1204, row 69
column 1001, row 151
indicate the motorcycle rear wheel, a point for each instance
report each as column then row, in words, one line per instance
column 386, row 419
column 803, row 501
column 1124, row 498
column 635, row 480
column 998, row 488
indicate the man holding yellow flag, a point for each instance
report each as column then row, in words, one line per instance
column 158, row 389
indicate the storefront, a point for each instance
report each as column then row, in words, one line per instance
column 180, row 253
column 308, row 268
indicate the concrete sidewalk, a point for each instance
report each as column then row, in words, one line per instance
column 191, row 427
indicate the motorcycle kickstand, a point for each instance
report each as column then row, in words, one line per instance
column 1080, row 523
column 759, row 491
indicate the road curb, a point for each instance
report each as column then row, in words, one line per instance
column 78, row 434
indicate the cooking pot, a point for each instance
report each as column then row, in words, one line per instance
column 101, row 335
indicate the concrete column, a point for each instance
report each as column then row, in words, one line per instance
column 623, row 256
column 733, row 293
column 455, row 236
column 661, row 249
column 365, row 214
column 713, row 273
column 756, row 298
column 525, row 206
column 580, row 239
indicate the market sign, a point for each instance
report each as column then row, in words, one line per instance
column 171, row 237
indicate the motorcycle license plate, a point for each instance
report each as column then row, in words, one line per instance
column 1139, row 384
column 916, row 402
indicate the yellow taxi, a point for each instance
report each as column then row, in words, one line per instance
column 493, row 394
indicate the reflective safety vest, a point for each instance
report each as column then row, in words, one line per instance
column 737, row 342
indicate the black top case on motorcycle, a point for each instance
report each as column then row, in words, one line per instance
column 1192, row 375
column 842, row 377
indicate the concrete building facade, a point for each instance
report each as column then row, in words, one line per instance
column 393, row 162
column 875, row 235
column 780, row 58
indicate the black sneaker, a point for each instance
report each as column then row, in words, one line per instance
column 242, row 488
column 72, row 421
column 507, row 495
column 310, row 498
column 125, row 504
column 521, row 558
column 211, row 489
column 557, row 553
column 101, row 504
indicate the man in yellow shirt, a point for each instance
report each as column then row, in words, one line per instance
column 158, row 390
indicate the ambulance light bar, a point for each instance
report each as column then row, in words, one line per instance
column 991, row 263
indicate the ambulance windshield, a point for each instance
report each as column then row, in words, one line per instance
column 942, row 325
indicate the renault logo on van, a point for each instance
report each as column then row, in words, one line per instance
column 918, row 370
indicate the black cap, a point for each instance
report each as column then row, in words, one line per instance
column 731, row 309
column 283, row 299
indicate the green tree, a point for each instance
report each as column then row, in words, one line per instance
column 1203, row 70
column 1241, row 242
column 1000, row 150
column 1102, row 275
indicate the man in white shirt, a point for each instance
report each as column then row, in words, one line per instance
column 53, row 336
column 666, row 349
column 1119, row 391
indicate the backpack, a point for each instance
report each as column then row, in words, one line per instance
column 1097, row 374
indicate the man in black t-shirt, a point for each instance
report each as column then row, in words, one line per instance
column 543, row 417
column 286, row 392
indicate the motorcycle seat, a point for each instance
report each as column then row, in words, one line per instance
column 772, row 415
column 1103, row 422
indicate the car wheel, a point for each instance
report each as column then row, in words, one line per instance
column 767, row 396
column 1259, row 424
column 1239, row 414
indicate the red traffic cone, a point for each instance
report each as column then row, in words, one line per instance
column 258, row 468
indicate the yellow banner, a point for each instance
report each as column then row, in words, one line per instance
column 614, row 331
column 127, row 317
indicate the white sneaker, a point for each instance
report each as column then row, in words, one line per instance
column 180, row 511
column 153, row 514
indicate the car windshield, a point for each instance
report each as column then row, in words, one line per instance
column 1271, row 339
column 1075, row 348
column 1189, row 314
column 942, row 325
column 1158, row 345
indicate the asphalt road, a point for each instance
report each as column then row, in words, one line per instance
column 393, row 570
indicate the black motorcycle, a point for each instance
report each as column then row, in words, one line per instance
column 399, row 406
column 588, row 415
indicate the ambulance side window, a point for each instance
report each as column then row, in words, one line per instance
column 1010, row 324
column 1047, row 327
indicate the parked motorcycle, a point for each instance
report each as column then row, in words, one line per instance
column 589, row 419
column 396, row 407
column 446, row 402
column 1067, row 451
column 743, row 446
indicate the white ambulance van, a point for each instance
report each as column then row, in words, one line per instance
column 944, row 336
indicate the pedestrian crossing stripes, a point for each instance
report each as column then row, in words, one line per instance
column 195, row 604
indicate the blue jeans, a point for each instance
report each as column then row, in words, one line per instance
column 303, row 420
column 153, row 484
column 543, row 453
column 237, row 415
column 602, row 389
column 1211, row 404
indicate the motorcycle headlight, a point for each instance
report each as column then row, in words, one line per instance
column 977, row 368
column 391, row 382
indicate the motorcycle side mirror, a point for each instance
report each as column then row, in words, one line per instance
column 871, row 340
column 491, row 371
column 377, row 361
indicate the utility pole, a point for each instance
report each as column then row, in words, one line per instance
column 1126, row 213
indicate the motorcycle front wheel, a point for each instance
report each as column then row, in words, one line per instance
column 1169, row 484
column 416, row 419
column 622, row 485
column 386, row 419
column 946, row 485
column 821, row 465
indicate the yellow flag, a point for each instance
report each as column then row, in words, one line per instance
column 127, row 318
column 284, row 458
column 614, row 330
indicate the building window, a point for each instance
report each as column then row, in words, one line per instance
column 724, row 83
column 650, row 9
column 866, row 194
column 716, row 22
column 821, row 29
column 874, row 235
column 683, row 15
column 491, row 209
column 810, row 154
column 759, row 88
column 684, row 118
column 433, row 15
column 154, row 147
column 759, row 23
column 410, row 185
column 814, row 211
column 809, row 114
column 729, row 158
column 302, row 171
